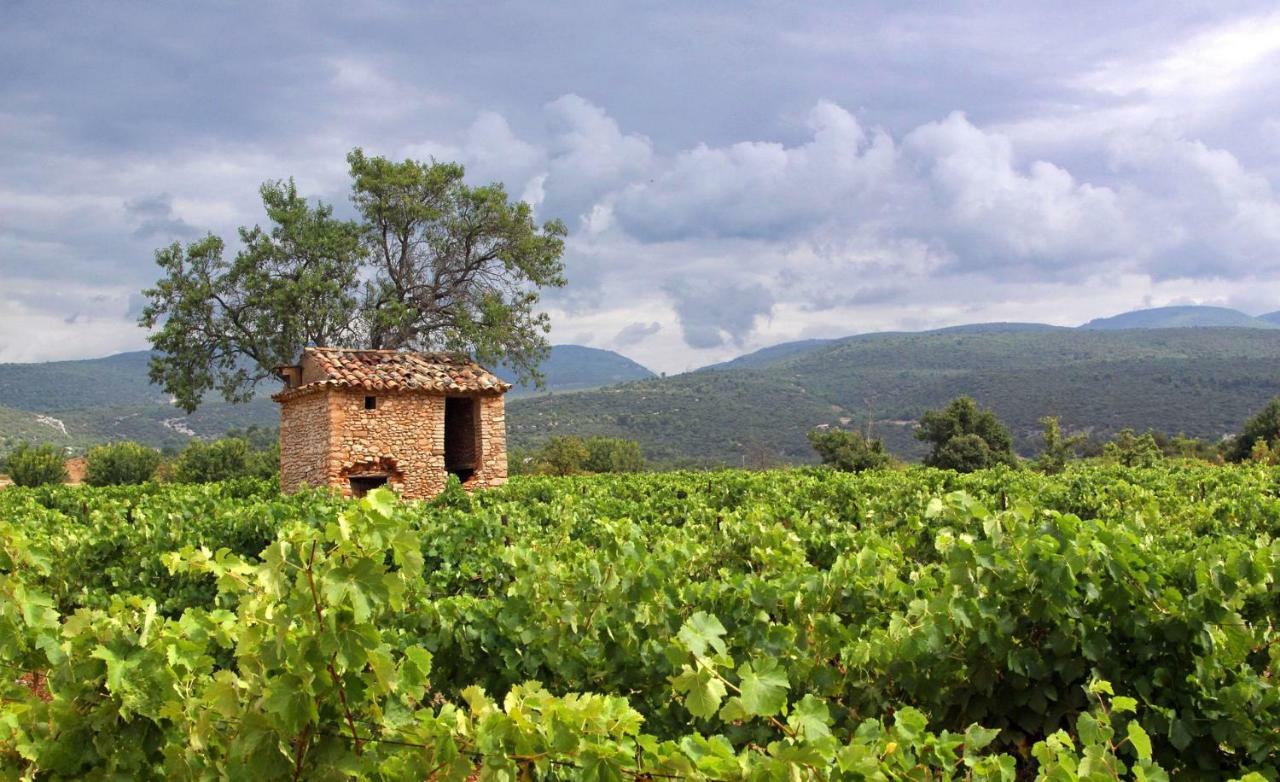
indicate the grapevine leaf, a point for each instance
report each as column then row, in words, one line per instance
column 1139, row 739
column 1123, row 703
column 763, row 687
column 810, row 718
column 910, row 723
column 702, row 690
column 700, row 632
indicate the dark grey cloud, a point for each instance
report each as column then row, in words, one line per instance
column 635, row 333
column 796, row 168
column 155, row 218
column 723, row 314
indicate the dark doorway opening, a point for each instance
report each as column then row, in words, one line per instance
column 363, row 484
column 461, row 440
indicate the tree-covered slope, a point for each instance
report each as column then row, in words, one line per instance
column 96, row 400
column 67, row 385
column 1202, row 381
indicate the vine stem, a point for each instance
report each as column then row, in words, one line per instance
column 300, row 747
column 333, row 673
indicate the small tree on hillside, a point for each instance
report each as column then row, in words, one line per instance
column 1263, row 453
column 223, row 460
column 36, row 465
column 120, row 464
column 613, row 454
column 1264, row 427
column 1058, row 448
column 1133, row 450
column 848, row 451
column 965, row 437
column 563, row 456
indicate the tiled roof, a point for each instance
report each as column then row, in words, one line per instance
column 394, row 370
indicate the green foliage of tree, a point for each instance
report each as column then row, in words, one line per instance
column 431, row 263
column 1058, row 448
column 225, row 459
column 613, row 454
column 1263, row 453
column 1133, row 450
column 849, row 451
column 562, row 456
column 1264, row 426
column 965, row 437
column 571, row 455
column 1192, row 448
column 260, row 438
column 120, row 464
column 36, row 465
column 521, row 461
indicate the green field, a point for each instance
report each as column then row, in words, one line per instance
column 801, row 624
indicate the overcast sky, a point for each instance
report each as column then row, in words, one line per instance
column 733, row 174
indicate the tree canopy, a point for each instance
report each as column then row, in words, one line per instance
column 848, row 451
column 965, row 437
column 1263, row 428
column 430, row 263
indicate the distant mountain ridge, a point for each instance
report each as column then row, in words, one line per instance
column 575, row 367
column 1181, row 317
column 1189, row 316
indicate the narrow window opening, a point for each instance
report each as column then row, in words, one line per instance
column 461, row 437
column 363, row 484
column 371, row 403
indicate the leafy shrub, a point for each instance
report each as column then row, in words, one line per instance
column 563, row 456
column 848, row 451
column 224, row 459
column 1264, row 426
column 965, row 437
column 36, row 465
column 521, row 461
column 1133, row 450
column 613, row 454
column 1058, row 448
column 120, row 464
column 569, row 455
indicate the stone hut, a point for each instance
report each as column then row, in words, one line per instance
column 357, row 419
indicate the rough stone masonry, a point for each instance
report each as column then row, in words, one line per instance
column 355, row 419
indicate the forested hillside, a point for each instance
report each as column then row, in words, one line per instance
column 1202, row 381
column 79, row 403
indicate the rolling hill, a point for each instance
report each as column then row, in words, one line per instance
column 79, row 403
column 1181, row 317
column 1191, row 316
column 1200, row 381
column 1203, row 381
column 575, row 367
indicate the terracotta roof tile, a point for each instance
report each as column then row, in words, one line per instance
column 382, row 370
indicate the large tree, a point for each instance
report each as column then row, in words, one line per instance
column 431, row 263
column 965, row 437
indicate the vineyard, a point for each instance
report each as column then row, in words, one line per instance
column 1105, row 623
